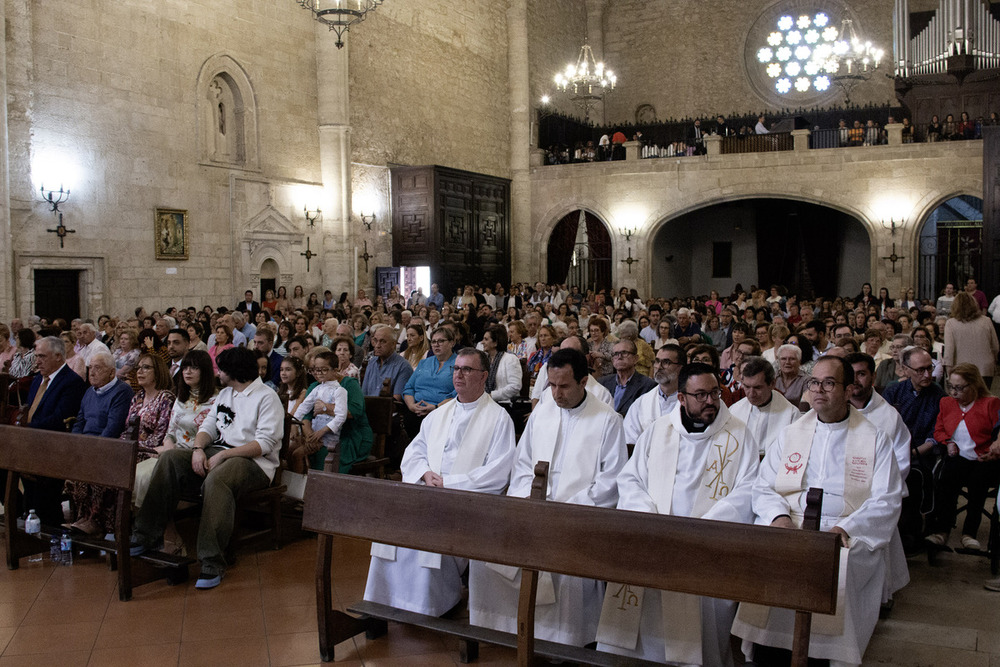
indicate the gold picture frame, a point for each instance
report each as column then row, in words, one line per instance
column 170, row 238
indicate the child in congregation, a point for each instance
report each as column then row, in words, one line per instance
column 327, row 402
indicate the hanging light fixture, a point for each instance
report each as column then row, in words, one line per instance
column 587, row 81
column 340, row 15
column 848, row 59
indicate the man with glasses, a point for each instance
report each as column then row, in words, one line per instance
column 662, row 398
column 917, row 398
column 582, row 438
column 763, row 409
column 694, row 462
column 887, row 372
column 626, row 384
column 384, row 363
column 465, row 444
column 834, row 448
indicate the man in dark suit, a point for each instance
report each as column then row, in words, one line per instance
column 625, row 384
column 263, row 340
column 54, row 397
column 249, row 306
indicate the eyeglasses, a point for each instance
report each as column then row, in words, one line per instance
column 923, row 370
column 703, row 396
column 620, row 354
column 828, row 384
column 957, row 388
column 144, row 367
column 465, row 370
column 320, row 370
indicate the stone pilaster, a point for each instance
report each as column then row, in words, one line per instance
column 520, row 140
column 7, row 280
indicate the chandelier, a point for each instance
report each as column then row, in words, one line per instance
column 587, row 81
column 848, row 59
column 340, row 15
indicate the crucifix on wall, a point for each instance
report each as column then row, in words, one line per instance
column 894, row 257
column 308, row 254
column 366, row 256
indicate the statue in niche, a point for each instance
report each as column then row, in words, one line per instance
column 219, row 109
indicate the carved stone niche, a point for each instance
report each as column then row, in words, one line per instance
column 269, row 235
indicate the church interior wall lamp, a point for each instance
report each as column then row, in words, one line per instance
column 368, row 220
column 54, row 198
column 627, row 233
column 340, row 15
column 312, row 215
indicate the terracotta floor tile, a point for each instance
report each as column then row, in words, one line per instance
column 242, row 652
column 65, row 659
column 159, row 655
column 425, row 660
column 300, row 648
column 287, row 620
column 290, row 594
column 139, row 630
column 67, row 638
column 5, row 636
column 224, row 625
column 12, row 613
column 52, row 611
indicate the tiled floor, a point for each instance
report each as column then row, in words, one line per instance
column 264, row 614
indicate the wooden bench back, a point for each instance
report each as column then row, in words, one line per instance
column 81, row 458
column 794, row 569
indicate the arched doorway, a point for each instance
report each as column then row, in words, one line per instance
column 806, row 248
column 580, row 252
column 951, row 246
column 268, row 277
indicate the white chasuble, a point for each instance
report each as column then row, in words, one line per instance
column 471, row 445
column 645, row 410
column 853, row 462
column 701, row 475
column 765, row 422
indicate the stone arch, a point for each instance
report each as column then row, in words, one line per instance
column 227, row 114
column 754, row 238
column 552, row 217
column 928, row 280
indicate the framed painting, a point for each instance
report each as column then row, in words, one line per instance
column 171, row 234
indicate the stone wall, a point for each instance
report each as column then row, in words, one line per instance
column 556, row 30
column 873, row 184
column 104, row 99
column 687, row 58
column 428, row 85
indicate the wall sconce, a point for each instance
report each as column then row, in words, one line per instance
column 892, row 225
column 628, row 233
column 53, row 198
column 368, row 220
column 312, row 216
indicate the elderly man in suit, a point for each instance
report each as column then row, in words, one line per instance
column 54, row 397
column 626, row 384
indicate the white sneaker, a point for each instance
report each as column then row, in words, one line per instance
column 937, row 539
column 969, row 542
column 992, row 585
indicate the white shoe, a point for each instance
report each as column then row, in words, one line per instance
column 992, row 585
column 937, row 539
column 969, row 542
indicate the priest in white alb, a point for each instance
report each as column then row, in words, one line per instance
column 887, row 419
column 468, row 444
column 764, row 410
column 834, row 448
column 661, row 399
column 696, row 461
column 582, row 439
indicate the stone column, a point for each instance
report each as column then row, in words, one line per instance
column 895, row 133
column 8, row 282
column 334, row 114
column 989, row 282
column 595, row 28
column 521, row 224
column 800, row 140
column 713, row 145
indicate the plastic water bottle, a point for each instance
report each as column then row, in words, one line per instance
column 66, row 549
column 55, row 550
column 33, row 526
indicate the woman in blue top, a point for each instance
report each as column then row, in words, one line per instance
column 431, row 384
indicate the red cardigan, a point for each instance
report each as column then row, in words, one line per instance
column 981, row 419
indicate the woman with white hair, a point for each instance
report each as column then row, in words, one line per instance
column 791, row 381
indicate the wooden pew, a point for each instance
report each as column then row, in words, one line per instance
column 795, row 569
column 80, row 458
